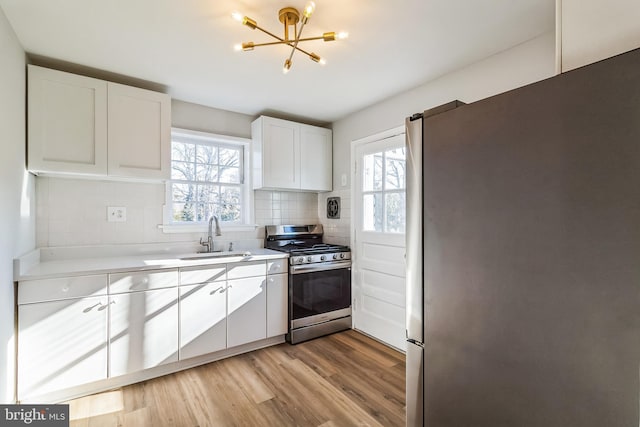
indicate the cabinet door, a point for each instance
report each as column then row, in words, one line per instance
column 139, row 133
column 280, row 154
column 246, row 310
column 277, row 297
column 67, row 122
column 203, row 319
column 143, row 330
column 316, row 172
column 61, row 344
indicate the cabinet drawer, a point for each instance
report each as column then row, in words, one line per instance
column 66, row 287
column 277, row 266
column 196, row 275
column 142, row 281
column 246, row 269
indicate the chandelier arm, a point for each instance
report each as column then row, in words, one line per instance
column 288, row 43
column 295, row 43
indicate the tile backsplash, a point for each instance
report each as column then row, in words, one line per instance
column 73, row 212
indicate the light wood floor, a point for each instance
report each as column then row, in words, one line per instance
column 344, row 379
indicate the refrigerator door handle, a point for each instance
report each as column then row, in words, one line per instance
column 415, row 385
column 413, row 254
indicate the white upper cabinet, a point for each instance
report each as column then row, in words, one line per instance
column 84, row 126
column 291, row 156
column 67, row 122
column 139, row 133
column 316, row 158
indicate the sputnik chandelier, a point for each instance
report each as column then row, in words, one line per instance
column 289, row 17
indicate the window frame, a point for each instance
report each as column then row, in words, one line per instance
column 247, row 213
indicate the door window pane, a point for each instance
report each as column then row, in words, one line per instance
column 395, row 169
column 395, row 212
column 372, row 172
column 372, row 212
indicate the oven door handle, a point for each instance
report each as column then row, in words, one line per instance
column 324, row 266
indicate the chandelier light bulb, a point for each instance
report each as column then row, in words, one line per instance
column 342, row 35
column 237, row 16
column 308, row 10
column 287, row 66
column 237, row 47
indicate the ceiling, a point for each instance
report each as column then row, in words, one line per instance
column 187, row 46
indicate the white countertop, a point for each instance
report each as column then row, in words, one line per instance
column 45, row 269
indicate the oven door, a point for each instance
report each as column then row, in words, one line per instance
column 319, row 292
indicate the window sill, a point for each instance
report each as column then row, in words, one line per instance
column 203, row 228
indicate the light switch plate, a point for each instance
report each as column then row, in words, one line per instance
column 116, row 214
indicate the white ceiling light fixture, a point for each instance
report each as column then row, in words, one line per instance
column 289, row 17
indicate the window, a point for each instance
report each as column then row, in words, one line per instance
column 383, row 191
column 208, row 177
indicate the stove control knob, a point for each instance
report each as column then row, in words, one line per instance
column 341, row 255
column 335, row 256
column 300, row 260
column 322, row 258
column 308, row 259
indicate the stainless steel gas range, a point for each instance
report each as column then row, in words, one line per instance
column 319, row 281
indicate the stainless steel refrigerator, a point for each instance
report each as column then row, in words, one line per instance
column 523, row 255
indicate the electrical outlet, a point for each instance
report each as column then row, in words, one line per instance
column 116, row 214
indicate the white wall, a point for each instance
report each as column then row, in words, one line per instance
column 593, row 30
column 73, row 212
column 17, row 224
column 526, row 63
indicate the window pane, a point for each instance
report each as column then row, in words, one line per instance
column 182, row 152
column 229, row 157
column 395, row 211
column 204, row 211
column 230, row 203
column 208, row 194
column 395, row 172
column 182, row 170
column 372, row 212
column 372, row 172
column 230, row 175
column 183, row 192
column 206, row 172
column 207, row 154
column 183, row 211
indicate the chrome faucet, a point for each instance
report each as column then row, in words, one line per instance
column 209, row 243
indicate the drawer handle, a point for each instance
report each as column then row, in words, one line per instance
column 100, row 306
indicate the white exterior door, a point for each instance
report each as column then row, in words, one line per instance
column 379, row 240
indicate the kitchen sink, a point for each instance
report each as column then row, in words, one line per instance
column 208, row 255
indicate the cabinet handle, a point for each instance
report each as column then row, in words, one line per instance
column 102, row 306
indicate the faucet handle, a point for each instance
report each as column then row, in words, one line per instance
column 205, row 244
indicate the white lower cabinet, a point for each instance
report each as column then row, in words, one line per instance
column 62, row 344
column 246, row 310
column 277, row 301
column 203, row 319
column 73, row 331
column 143, row 330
